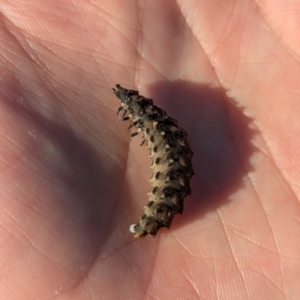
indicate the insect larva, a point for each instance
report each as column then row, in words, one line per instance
column 171, row 160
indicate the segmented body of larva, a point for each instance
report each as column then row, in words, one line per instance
column 171, row 160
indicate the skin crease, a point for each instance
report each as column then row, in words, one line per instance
column 72, row 181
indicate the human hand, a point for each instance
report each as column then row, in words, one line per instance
column 72, row 181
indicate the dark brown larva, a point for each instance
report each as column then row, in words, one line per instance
column 171, row 160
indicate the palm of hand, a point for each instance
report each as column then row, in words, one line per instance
column 72, row 182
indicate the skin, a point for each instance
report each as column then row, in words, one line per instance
column 72, row 181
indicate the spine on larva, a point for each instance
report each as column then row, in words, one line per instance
column 171, row 160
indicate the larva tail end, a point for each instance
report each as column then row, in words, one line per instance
column 140, row 233
column 132, row 228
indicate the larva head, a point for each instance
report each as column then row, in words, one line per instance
column 132, row 101
column 125, row 95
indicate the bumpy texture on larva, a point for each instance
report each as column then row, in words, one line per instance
column 171, row 160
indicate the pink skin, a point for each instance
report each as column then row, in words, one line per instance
column 72, row 181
